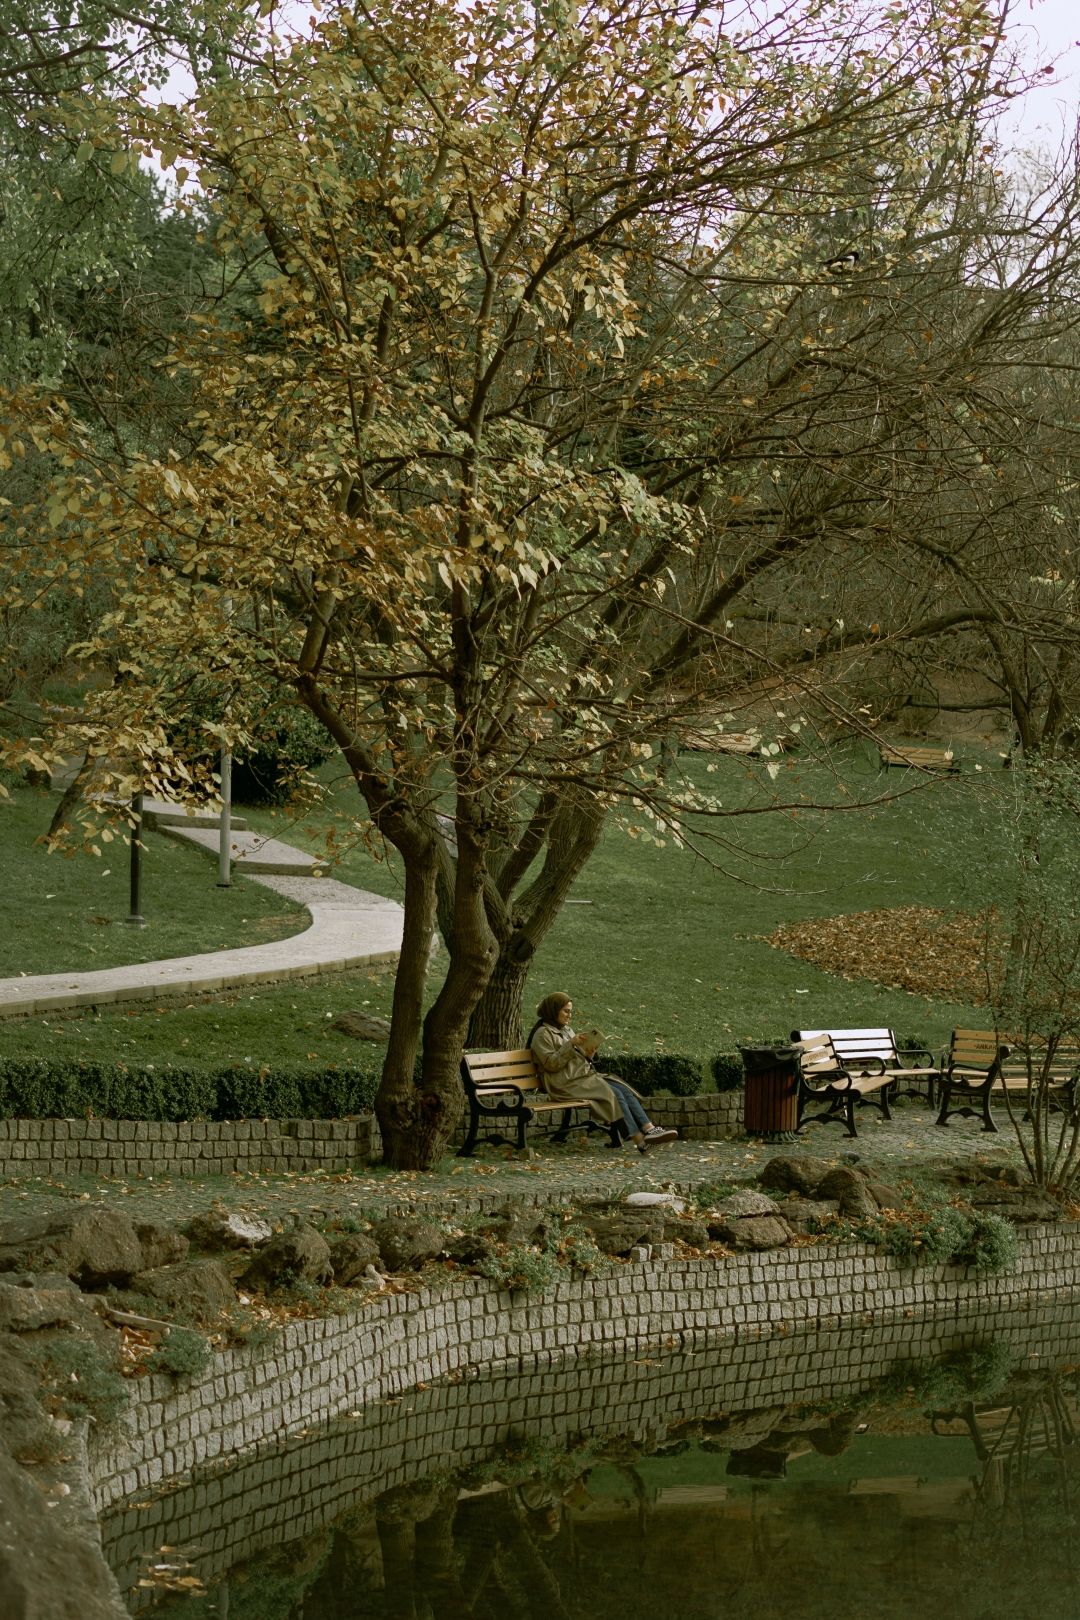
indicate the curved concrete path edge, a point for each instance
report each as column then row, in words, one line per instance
column 349, row 928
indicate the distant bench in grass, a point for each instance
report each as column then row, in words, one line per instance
column 919, row 758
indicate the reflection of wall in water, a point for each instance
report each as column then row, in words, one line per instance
column 292, row 1492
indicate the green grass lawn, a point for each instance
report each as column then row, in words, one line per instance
column 663, row 950
column 67, row 914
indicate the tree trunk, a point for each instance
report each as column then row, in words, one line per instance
column 497, row 1023
column 400, row 1103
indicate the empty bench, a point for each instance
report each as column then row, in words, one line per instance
column 981, row 1064
column 829, row 1084
column 506, row 1088
column 918, row 758
column 910, row 1067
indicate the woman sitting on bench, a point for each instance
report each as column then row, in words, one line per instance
column 570, row 1077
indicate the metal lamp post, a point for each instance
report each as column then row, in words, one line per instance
column 135, row 915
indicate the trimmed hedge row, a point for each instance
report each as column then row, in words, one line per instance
column 50, row 1088
column 72, row 1088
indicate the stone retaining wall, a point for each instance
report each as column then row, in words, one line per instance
column 714, row 1116
column 315, row 1371
column 277, row 1494
column 125, row 1147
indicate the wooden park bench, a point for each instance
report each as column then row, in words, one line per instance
column 980, row 1064
column 910, row 1067
column 824, row 1078
column 506, row 1086
column 919, row 758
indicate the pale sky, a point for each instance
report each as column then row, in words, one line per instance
column 1046, row 30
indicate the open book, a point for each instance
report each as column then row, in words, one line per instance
column 589, row 1041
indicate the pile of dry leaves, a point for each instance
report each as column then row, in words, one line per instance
column 939, row 954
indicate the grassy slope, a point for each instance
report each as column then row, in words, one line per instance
column 668, row 954
column 62, row 915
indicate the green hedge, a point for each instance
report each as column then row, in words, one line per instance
column 727, row 1071
column 57, row 1088
column 656, row 1071
column 72, row 1088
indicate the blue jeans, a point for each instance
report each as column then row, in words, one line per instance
column 634, row 1116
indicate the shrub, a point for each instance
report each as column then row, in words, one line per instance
column 727, row 1071
column 521, row 1266
column 183, row 1353
column 291, row 743
column 70, row 1088
column 658, row 1071
column 578, row 1249
column 79, row 1380
column 992, row 1244
column 282, row 742
column 935, row 1233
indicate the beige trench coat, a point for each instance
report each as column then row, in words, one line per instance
column 569, row 1076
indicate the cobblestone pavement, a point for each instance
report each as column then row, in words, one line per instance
column 908, row 1144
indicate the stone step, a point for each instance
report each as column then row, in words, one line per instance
column 165, row 813
column 252, row 852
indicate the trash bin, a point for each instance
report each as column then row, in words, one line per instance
column 771, row 1097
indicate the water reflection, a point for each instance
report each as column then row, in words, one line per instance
column 645, row 1491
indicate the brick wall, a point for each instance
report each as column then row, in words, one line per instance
column 126, row 1147
column 314, row 1372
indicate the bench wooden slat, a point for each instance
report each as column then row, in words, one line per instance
column 866, row 1049
column 825, row 1077
column 917, row 756
column 980, row 1063
column 507, row 1087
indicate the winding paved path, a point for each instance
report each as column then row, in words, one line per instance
column 349, row 928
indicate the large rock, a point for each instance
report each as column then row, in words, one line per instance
column 350, row 1257
column 791, row 1172
column 161, row 1245
column 805, row 1214
column 752, row 1232
column 192, row 1290
column 685, row 1229
column 299, row 1256
column 405, row 1242
column 221, row 1228
column 851, row 1192
column 47, row 1572
column 617, row 1231
column 89, row 1243
column 516, row 1223
column 25, row 1431
column 26, row 1308
column 362, row 1026
column 739, row 1204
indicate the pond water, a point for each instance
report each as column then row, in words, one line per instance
column 886, row 1471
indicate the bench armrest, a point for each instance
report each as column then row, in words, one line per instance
column 918, row 1052
column 823, row 1079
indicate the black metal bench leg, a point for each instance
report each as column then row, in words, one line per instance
column 466, row 1151
column 945, row 1095
column 883, row 1103
column 522, row 1127
column 564, row 1126
column 849, row 1115
column 988, row 1118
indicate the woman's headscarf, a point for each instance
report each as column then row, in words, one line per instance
column 549, row 1009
